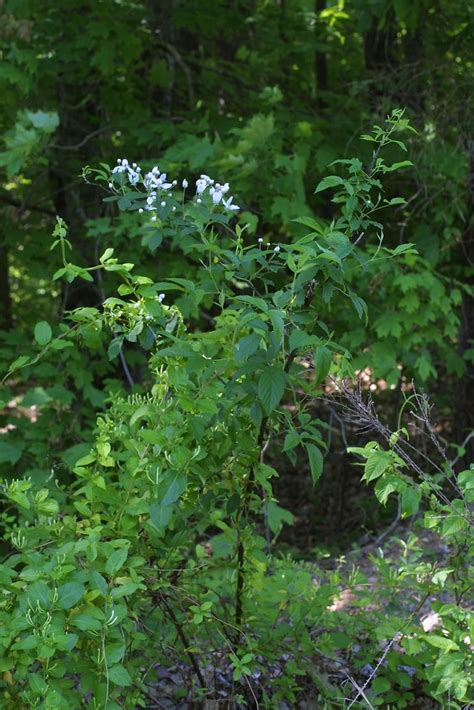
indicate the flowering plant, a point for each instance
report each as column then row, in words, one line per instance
column 162, row 543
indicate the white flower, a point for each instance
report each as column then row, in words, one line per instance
column 199, row 200
column 185, row 183
column 110, row 185
column 260, row 240
column 119, row 161
column 133, row 177
column 153, row 219
column 161, row 297
column 150, row 200
column 140, row 211
column 125, row 162
column 148, row 180
column 174, row 208
column 163, row 204
column 216, row 196
column 201, row 186
column 276, row 249
column 228, row 204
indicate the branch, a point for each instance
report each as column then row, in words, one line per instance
column 83, row 142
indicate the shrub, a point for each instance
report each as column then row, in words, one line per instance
column 158, row 550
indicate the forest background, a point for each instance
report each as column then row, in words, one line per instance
column 267, row 95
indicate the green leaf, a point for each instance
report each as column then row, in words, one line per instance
column 270, row 388
column 19, row 362
column 292, row 439
column 454, row 523
column 90, row 620
column 120, row 676
column 277, row 516
column 329, row 181
column 114, row 652
column 10, row 451
column 311, row 223
column 115, row 347
column 316, row 461
column 47, row 122
column 299, row 339
column 106, row 255
column 377, row 463
column 38, row 593
column 381, row 685
column 247, row 346
column 70, row 594
column 160, row 515
column 175, row 489
column 116, row 560
column 410, row 500
column 43, row 333
column 441, row 642
column 322, row 363
column 98, row 582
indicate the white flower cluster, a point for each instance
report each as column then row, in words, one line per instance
column 133, row 170
column 158, row 186
column 216, row 191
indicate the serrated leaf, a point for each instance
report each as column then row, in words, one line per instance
column 441, row 642
column 292, row 440
column 454, row 523
column 299, row 339
column 377, row 463
column 270, row 388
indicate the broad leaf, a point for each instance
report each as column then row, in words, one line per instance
column 270, row 388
